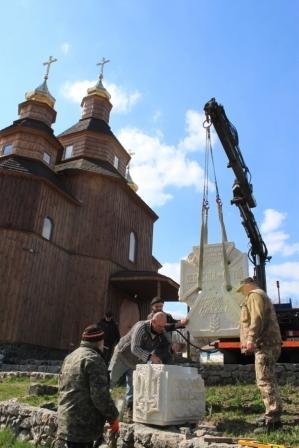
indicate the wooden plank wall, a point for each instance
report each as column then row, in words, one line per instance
column 51, row 290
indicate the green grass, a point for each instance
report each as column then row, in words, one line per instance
column 18, row 388
column 7, row 440
column 234, row 410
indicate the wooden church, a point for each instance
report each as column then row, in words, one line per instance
column 75, row 237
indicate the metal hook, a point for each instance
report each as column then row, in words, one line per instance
column 207, row 124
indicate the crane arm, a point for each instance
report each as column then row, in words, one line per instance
column 242, row 188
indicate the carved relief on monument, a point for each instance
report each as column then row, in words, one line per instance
column 215, row 310
column 147, row 385
column 165, row 394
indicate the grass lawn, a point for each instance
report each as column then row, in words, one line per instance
column 18, row 388
column 233, row 408
column 7, row 440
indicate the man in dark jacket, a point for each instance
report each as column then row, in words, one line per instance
column 172, row 324
column 112, row 335
column 145, row 342
column 84, row 402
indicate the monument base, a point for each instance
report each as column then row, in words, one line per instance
column 166, row 395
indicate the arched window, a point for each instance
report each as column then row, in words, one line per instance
column 132, row 247
column 47, row 228
column 68, row 151
column 47, row 158
column 116, row 162
column 7, row 149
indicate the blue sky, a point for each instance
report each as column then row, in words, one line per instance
column 167, row 59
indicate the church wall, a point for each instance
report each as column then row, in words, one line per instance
column 48, row 295
column 31, row 145
column 52, row 289
column 19, row 201
column 105, row 220
column 97, row 146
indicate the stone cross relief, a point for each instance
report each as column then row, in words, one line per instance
column 214, row 310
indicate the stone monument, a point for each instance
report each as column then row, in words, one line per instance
column 166, row 394
column 215, row 310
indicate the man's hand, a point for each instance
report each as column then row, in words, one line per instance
column 250, row 347
column 184, row 321
column 154, row 359
column 114, row 426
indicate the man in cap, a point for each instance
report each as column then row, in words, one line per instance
column 260, row 335
column 145, row 342
column 172, row 324
column 84, row 402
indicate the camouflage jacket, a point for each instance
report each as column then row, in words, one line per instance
column 84, row 402
column 258, row 321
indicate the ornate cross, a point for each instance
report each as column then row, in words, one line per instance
column 131, row 153
column 101, row 64
column 48, row 63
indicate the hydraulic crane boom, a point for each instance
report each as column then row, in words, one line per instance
column 242, row 188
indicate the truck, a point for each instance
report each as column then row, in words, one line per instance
column 243, row 198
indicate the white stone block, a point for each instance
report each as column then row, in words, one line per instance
column 166, row 395
column 214, row 311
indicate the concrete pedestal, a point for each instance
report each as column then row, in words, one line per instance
column 166, row 395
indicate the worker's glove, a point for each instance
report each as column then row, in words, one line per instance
column 114, row 426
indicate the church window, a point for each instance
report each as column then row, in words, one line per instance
column 47, row 228
column 68, row 151
column 46, row 157
column 116, row 162
column 7, row 149
column 132, row 247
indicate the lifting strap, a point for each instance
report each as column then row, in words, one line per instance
column 204, row 214
column 204, row 217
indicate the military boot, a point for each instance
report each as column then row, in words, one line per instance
column 267, row 424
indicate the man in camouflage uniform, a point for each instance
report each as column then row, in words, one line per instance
column 260, row 334
column 84, row 402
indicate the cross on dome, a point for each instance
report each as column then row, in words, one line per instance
column 48, row 63
column 101, row 64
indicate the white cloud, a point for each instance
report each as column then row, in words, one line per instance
column 277, row 242
column 171, row 270
column 275, row 238
column 288, row 276
column 272, row 220
column 157, row 166
column 65, row 47
column 289, row 269
column 75, row 91
column 196, row 134
column 122, row 100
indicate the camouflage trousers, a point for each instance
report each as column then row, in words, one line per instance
column 265, row 360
